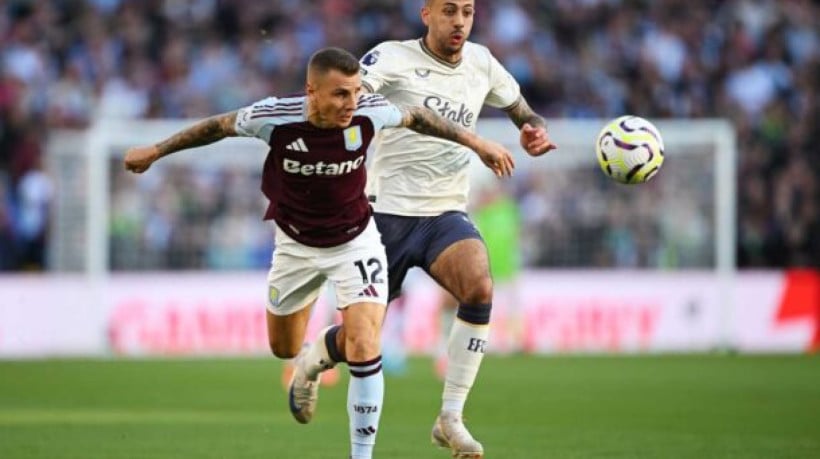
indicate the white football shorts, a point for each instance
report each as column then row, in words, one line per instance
column 357, row 269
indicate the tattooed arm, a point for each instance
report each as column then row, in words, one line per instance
column 520, row 113
column 210, row 130
column 425, row 121
column 534, row 138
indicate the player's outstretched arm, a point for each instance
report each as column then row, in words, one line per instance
column 534, row 137
column 492, row 154
column 209, row 130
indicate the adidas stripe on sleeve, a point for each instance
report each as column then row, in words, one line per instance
column 382, row 112
column 259, row 119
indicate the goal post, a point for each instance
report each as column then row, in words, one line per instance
column 586, row 238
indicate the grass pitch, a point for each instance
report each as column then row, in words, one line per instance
column 522, row 407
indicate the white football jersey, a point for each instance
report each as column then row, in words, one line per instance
column 418, row 175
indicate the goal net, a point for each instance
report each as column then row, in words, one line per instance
column 202, row 209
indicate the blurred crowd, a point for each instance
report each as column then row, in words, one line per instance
column 65, row 63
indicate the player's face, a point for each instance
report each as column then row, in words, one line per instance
column 449, row 23
column 333, row 98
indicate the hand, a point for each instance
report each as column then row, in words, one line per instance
column 535, row 140
column 139, row 159
column 496, row 157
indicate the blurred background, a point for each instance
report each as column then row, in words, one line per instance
column 749, row 69
column 653, row 302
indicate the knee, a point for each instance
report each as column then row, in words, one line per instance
column 362, row 346
column 479, row 292
column 283, row 350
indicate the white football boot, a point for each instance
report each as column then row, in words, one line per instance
column 449, row 432
column 303, row 393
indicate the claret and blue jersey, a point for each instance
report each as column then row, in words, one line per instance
column 315, row 177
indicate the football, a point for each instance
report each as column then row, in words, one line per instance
column 630, row 150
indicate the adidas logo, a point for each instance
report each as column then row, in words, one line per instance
column 369, row 430
column 297, row 145
column 369, row 291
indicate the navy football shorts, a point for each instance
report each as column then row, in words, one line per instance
column 418, row 241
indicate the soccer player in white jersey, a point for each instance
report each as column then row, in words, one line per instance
column 314, row 178
column 418, row 185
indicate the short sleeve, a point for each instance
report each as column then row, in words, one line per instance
column 504, row 90
column 381, row 112
column 251, row 122
column 377, row 68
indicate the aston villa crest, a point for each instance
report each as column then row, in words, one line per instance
column 273, row 296
column 353, row 138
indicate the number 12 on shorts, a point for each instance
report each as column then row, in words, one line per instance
column 374, row 265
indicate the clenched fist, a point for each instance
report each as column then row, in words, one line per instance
column 139, row 159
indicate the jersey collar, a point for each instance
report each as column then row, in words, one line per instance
column 438, row 59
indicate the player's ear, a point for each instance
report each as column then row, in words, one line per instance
column 425, row 14
column 312, row 81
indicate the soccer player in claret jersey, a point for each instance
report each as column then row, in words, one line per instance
column 418, row 185
column 314, row 178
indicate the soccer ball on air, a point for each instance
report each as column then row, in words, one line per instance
column 630, row 150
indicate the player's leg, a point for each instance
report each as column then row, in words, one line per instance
column 462, row 268
column 325, row 315
column 294, row 285
column 446, row 315
column 360, row 277
column 358, row 271
column 286, row 333
column 357, row 342
column 362, row 348
column 399, row 236
column 303, row 388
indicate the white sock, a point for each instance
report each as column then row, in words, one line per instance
column 365, row 393
column 318, row 358
column 446, row 318
column 465, row 351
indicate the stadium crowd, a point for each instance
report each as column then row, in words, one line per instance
column 65, row 63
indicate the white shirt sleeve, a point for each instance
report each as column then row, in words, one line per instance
column 381, row 112
column 504, row 90
column 376, row 68
column 251, row 122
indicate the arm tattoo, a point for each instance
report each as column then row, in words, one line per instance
column 425, row 121
column 520, row 113
column 204, row 132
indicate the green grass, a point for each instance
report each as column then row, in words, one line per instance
column 667, row 407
